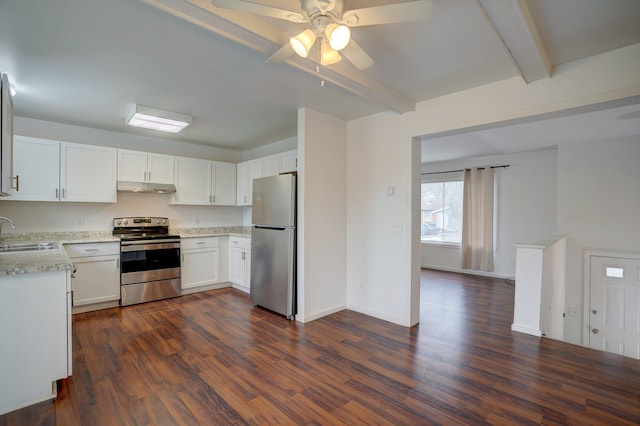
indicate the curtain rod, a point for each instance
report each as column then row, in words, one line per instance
column 504, row 166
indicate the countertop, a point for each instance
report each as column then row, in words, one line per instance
column 57, row 259
column 35, row 261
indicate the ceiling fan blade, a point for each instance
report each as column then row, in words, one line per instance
column 260, row 9
column 418, row 10
column 284, row 53
column 357, row 56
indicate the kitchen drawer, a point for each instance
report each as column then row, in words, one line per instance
column 92, row 249
column 240, row 242
column 199, row 243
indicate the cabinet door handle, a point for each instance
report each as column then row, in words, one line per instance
column 182, row 257
column 145, row 176
column 149, row 176
column 64, row 195
column 244, row 256
column 56, row 193
column 213, row 198
column 200, row 243
column 17, row 179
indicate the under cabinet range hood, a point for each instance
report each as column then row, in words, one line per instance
column 146, row 187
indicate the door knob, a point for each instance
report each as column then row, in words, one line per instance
column 594, row 311
column 595, row 331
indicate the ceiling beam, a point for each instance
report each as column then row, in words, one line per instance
column 512, row 21
column 260, row 35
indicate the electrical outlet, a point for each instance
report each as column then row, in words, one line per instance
column 396, row 227
column 80, row 222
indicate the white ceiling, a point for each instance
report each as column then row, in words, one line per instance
column 86, row 62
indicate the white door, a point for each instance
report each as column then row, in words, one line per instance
column 614, row 312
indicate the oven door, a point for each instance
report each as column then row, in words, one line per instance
column 143, row 261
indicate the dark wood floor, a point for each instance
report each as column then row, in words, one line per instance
column 213, row 359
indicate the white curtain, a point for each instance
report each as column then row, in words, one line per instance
column 477, row 220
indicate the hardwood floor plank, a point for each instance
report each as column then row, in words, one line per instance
column 212, row 358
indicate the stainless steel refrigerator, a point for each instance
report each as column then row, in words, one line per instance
column 273, row 244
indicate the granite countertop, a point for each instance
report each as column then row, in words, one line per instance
column 62, row 237
column 219, row 231
column 57, row 260
column 25, row 262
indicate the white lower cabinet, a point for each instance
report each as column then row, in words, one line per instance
column 35, row 331
column 96, row 279
column 200, row 263
column 240, row 263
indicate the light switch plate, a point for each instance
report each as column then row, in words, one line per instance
column 391, row 190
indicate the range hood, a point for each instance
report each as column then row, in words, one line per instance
column 146, row 187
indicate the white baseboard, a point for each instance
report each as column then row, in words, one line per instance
column 317, row 315
column 378, row 315
column 526, row 330
column 469, row 272
column 206, row 287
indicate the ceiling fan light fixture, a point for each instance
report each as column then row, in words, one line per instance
column 157, row 119
column 302, row 42
column 328, row 55
column 338, row 36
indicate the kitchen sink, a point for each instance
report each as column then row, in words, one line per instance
column 19, row 247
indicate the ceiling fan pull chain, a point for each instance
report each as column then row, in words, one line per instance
column 321, row 79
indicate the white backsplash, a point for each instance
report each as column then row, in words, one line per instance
column 31, row 216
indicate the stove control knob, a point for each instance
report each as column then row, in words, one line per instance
column 164, row 221
column 158, row 222
column 119, row 222
column 126, row 222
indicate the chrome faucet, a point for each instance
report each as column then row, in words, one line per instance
column 2, row 221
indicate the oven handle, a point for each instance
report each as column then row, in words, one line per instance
column 156, row 245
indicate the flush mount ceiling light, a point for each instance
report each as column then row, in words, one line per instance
column 157, row 119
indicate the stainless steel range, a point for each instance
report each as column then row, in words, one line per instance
column 149, row 259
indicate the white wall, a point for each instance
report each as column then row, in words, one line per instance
column 272, row 148
column 380, row 153
column 322, row 215
column 526, row 207
column 598, row 205
column 380, row 232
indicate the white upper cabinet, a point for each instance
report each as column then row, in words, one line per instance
column 280, row 163
column 271, row 165
column 88, row 173
column 192, row 177
column 223, row 183
column 288, row 161
column 60, row 171
column 36, row 162
column 137, row 166
column 204, row 182
column 247, row 172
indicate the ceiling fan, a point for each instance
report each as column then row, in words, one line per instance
column 330, row 26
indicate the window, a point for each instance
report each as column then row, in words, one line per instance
column 441, row 215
